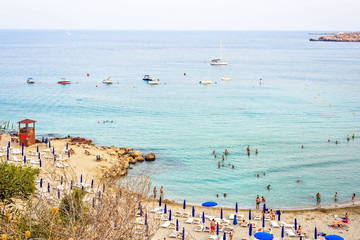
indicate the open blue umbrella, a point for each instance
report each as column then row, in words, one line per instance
column 263, row 236
column 177, row 225
column 193, row 211
column 279, row 213
column 235, row 221
column 236, row 207
column 221, row 214
column 92, row 183
column 315, row 233
column 160, row 201
column 203, row 217
column 217, row 228
column 24, row 159
column 184, row 205
column 224, row 237
column 263, row 222
column 333, row 237
column 250, row 230
column 209, row 204
column 41, row 181
column 170, row 215
column 249, row 214
column 165, row 209
column 295, row 224
column 282, row 232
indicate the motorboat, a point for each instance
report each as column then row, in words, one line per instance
column 64, row 81
column 153, row 82
column 205, row 82
column 218, row 61
column 148, row 78
column 107, row 80
column 30, row 80
column 261, row 81
column 226, row 78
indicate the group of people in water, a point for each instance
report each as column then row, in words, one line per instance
column 318, row 197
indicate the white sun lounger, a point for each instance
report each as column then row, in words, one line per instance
column 16, row 151
column 197, row 221
column 290, row 233
column 164, row 217
column 185, row 215
column 178, row 214
column 165, row 224
column 209, row 217
column 274, row 224
column 213, row 237
column 189, row 220
column 172, row 225
column 173, row 234
column 15, row 159
column 258, row 217
column 206, row 229
column 199, row 228
column 267, row 217
column 287, row 225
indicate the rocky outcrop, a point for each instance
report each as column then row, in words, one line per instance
column 150, row 157
column 340, row 37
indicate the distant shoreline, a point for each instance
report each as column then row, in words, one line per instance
column 339, row 37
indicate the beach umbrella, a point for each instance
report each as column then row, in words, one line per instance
column 170, row 215
column 300, row 237
column 82, row 188
column 53, row 150
column 58, row 194
column 141, row 211
column 295, row 224
column 49, row 144
column 315, row 233
column 120, row 193
column 7, row 153
column 68, row 154
column 40, row 162
column 99, row 194
column 42, row 139
column 263, row 222
column 250, row 230
column 71, row 184
column 22, row 149
column 184, row 205
column 146, row 219
column 333, row 237
column 165, row 209
column 183, row 235
column 209, row 204
column 224, row 237
column 62, row 179
column 160, row 201
column 54, row 158
column 103, row 188
column 41, row 182
column 236, row 207
column 221, row 213
column 92, row 183
column 48, row 187
column 81, row 178
column 235, row 221
column 193, row 211
column 264, row 208
column 282, row 232
column 203, row 217
column 249, row 214
column 263, row 236
column 24, row 159
column 67, row 146
column 9, row 144
column 37, row 148
column 217, row 228
column 279, row 213
column 177, row 225
column 39, row 155
column 93, row 202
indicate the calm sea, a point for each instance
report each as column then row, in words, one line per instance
column 311, row 93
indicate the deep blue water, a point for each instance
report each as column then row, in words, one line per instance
column 182, row 122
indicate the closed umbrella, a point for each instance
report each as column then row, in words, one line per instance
column 82, row 188
column 221, row 214
column 217, row 228
column 54, row 158
column 264, row 208
column 333, row 237
column 81, row 178
column 295, row 224
column 40, row 162
column 68, row 154
column 184, row 205
column 145, row 218
column 282, row 232
column 58, row 194
column 71, row 184
column 183, row 235
column 92, row 183
column 165, row 209
column 67, row 146
column 93, row 202
column 49, row 144
column 300, row 237
column 177, row 225
column 235, row 221
column 170, row 215
column 236, row 207
column 193, row 211
column 48, row 187
column 160, row 201
column 62, row 178
column 263, row 222
column 250, row 230
column 53, row 150
column 224, row 237
column 315, row 233
column 249, row 214
column 203, row 217
column 39, row 155
column 9, row 144
column 22, row 150
column 104, row 188
column 279, row 213
column 41, row 181
column 37, row 148
column 141, row 211
column 7, row 153
column 263, row 236
column 42, row 139
column 24, row 159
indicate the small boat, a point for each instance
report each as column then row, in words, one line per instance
column 148, row 78
column 261, row 81
column 153, row 82
column 30, row 80
column 68, row 32
column 107, row 80
column 64, row 81
column 205, row 82
column 218, row 61
column 226, row 78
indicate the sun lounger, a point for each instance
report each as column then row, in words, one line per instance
column 15, row 159
column 209, row 217
column 228, row 229
column 245, row 238
column 185, row 215
column 253, row 224
column 290, row 233
column 172, row 225
column 267, row 217
column 189, row 220
column 258, row 217
column 196, row 221
column 180, row 235
column 225, row 222
column 274, row 224
column 243, row 224
column 199, row 228
column 32, row 153
column 164, row 217
column 140, row 221
column 206, row 229
column 156, row 210
column 177, row 214
column 165, row 224
column 287, row 225
column 213, row 237
column 173, row 234
column 158, row 216
column 231, row 216
column 16, row 151
column 47, row 150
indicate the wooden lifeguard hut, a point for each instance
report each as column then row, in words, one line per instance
column 26, row 132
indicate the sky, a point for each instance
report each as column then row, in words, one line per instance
column 339, row 15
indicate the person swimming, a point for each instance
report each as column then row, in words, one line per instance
column 348, row 138
column 336, row 142
column 256, row 151
column 233, row 166
column 302, row 146
column 298, row 181
column 353, row 136
column 268, row 187
column 223, row 158
column 226, row 152
column 225, row 195
column 214, row 152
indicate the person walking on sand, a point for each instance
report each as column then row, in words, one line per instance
column 212, row 227
column 257, row 202
column 162, row 191
column 353, row 199
column 155, row 192
column 263, row 199
column 336, row 195
column 318, row 197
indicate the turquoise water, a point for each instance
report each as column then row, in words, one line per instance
column 182, row 122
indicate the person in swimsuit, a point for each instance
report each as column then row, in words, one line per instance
column 256, row 151
column 300, row 231
column 353, row 199
column 226, row 152
column 248, row 148
column 336, row 195
column 162, row 191
column 268, row 187
column 257, row 202
column 155, row 192
column 231, row 235
column 212, row 227
column 263, row 199
column 318, row 197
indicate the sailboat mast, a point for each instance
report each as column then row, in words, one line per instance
column 220, row 50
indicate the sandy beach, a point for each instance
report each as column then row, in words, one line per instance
column 90, row 168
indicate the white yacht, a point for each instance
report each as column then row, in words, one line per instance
column 30, row 80
column 261, row 81
column 107, row 80
column 218, row 61
column 153, row 82
column 205, row 82
column 226, row 78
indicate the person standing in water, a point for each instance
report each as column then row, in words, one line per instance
column 162, row 191
column 258, row 202
column 353, row 199
column 155, row 192
column 336, row 196
column 318, row 197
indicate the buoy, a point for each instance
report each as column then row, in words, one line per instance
column 76, row 82
column 353, row 113
column 215, row 82
column 96, row 85
column 184, row 74
column 314, row 97
column 158, row 79
column 88, row 74
column 329, row 104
